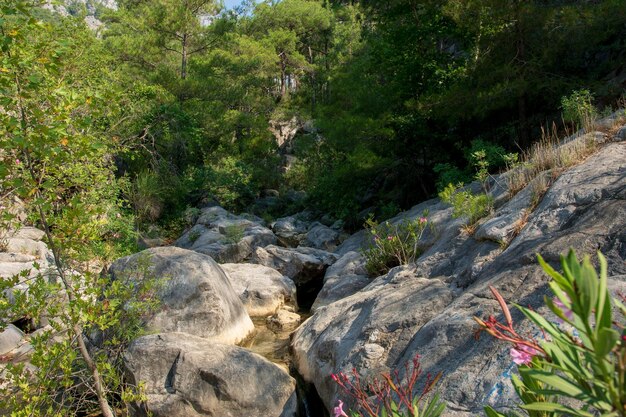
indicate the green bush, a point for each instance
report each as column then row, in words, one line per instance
column 231, row 183
column 467, row 204
column 578, row 109
column 578, row 369
column 393, row 244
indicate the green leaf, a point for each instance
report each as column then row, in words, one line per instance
column 493, row 413
column 603, row 307
column 565, row 386
column 557, row 277
column 541, row 322
column 605, row 342
column 566, row 359
column 556, row 408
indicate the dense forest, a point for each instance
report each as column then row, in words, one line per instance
column 390, row 99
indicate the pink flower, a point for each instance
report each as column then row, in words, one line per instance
column 522, row 354
column 566, row 311
column 389, row 237
column 338, row 411
column 17, row 162
column 423, row 220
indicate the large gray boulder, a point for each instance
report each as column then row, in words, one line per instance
column 621, row 133
column 186, row 376
column 225, row 237
column 323, row 237
column 290, row 230
column 305, row 266
column 427, row 308
column 262, row 290
column 300, row 264
column 342, row 279
column 197, row 296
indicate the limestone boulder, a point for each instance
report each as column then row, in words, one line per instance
column 342, row 279
column 300, row 264
column 321, row 237
column 621, row 133
column 197, row 297
column 262, row 290
column 187, row 376
column 225, row 237
column 291, row 230
column 305, row 266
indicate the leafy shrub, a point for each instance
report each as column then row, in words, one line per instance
column 230, row 182
column 393, row 244
column 578, row 109
column 61, row 167
column 487, row 154
column 578, row 369
column 112, row 311
column 467, row 204
column 389, row 395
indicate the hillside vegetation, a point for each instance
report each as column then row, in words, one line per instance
column 397, row 96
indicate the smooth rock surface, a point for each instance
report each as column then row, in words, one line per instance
column 283, row 320
column 321, row 237
column 290, row 230
column 186, row 376
column 342, row 279
column 197, row 296
column 262, row 290
column 10, row 338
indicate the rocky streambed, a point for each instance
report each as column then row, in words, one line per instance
column 223, row 341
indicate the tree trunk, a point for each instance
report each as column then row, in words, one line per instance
column 283, row 77
column 183, row 64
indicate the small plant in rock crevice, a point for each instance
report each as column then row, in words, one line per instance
column 467, row 204
column 193, row 236
column 394, row 244
column 233, row 233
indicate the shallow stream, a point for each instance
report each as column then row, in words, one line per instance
column 274, row 346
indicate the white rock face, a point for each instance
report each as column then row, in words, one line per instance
column 197, row 297
column 262, row 290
